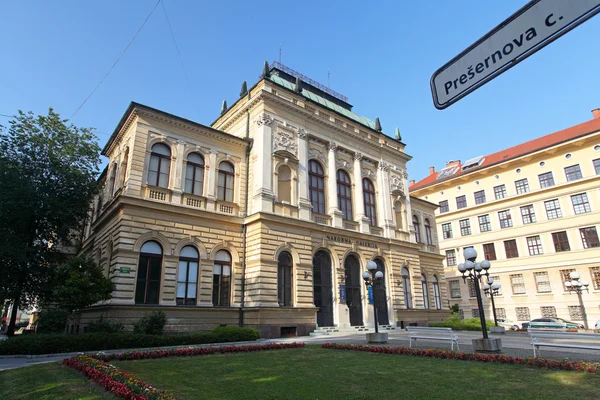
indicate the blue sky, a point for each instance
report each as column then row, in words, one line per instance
column 380, row 54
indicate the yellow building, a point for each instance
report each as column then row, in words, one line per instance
column 533, row 210
column 266, row 218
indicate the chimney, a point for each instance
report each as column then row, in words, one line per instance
column 431, row 170
column 452, row 163
column 596, row 113
column 412, row 182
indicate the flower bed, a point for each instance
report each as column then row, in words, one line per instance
column 127, row 386
column 455, row 355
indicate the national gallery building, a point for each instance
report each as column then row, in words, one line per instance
column 266, row 218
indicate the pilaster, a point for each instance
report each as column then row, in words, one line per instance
column 334, row 211
column 177, row 188
column 359, row 205
column 304, row 203
column 262, row 190
column 385, row 199
column 211, row 188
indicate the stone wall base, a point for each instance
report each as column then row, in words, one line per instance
column 419, row 317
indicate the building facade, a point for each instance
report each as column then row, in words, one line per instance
column 533, row 210
column 266, row 218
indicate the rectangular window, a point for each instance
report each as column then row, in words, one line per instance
column 595, row 275
column 447, row 230
column 542, row 282
column 454, row 289
column 472, row 291
column 573, row 173
column 510, row 247
column 500, row 192
column 461, row 202
column 535, row 245
column 553, row 209
column 450, row 258
column 497, row 280
column 589, row 237
column 546, row 180
column 561, row 241
column 517, row 283
column 575, row 313
column 597, row 166
column 489, row 251
column 475, row 313
column 522, row 186
column 565, row 276
column 528, row 214
column 548, row 312
column 522, row 313
column 465, row 227
column 484, row 223
column 501, row 313
column 505, row 219
column 480, row 197
column 580, row 203
column 444, row 206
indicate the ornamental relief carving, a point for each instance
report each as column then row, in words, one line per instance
column 367, row 173
column 316, row 154
column 340, row 163
column 284, row 141
column 396, row 184
column 383, row 166
column 264, row 119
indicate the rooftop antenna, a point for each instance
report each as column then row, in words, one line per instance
column 279, row 53
column 328, row 79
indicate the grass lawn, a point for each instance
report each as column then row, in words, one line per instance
column 315, row 373
column 48, row 381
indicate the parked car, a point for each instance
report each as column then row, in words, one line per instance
column 552, row 323
column 577, row 324
column 507, row 324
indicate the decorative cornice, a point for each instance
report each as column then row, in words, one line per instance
column 358, row 156
column 382, row 165
column 332, row 146
column 264, row 119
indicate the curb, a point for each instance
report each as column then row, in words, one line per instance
column 67, row 355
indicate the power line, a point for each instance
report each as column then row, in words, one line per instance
column 162, row 3
column 6, row 115
column 118, row 58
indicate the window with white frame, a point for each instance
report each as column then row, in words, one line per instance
column 542, row 282
column 454, row 289
column 517, row 283
column 522, row 313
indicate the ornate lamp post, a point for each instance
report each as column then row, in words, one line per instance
column 577, row 286
column 371, row 277
column 474, row 271
column 491, row 289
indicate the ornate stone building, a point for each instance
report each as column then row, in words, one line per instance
column 266, row 218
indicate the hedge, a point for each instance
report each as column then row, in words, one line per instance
column 60, row 343
column 469, row 324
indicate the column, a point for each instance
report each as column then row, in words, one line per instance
column 334, row 212
column 211, row 186
column 385, row 199
column 177, row 188
column 359, row 205
column 304, row 204
column 262, row 190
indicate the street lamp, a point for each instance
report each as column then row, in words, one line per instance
column 370, row 277
column 473, row 270
column 491, row 289
column 577, row 286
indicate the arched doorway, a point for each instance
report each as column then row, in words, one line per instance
column 353, row 284
column 381, row 295
column 322, row 288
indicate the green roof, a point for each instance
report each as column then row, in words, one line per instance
column 324, row 102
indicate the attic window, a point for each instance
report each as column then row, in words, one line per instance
column 446, row 173
column 473, row 162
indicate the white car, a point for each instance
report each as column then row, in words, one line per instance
column 507, row 324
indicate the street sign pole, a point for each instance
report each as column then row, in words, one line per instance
column 537, row 24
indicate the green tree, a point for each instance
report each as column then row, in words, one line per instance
column 48, row 171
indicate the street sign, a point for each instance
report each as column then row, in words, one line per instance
column 533, row 27
column 125, row 270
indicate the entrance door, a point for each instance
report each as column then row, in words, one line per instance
column 322, row 288
column 353, row 284
column 381, row 296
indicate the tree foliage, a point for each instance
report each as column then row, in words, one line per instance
column 48, row 171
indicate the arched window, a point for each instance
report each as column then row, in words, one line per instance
column 148, row 275
column 194, row 174
column 111, row 180
column 317, row 186
column 225, row 187
column 187, row 276
column 124, row 162
column 160, row 164
column 436, row 293
column 284, row 279
column 284, row 184
column 425, row 291
column 109, row 253
column 417, row 228
column 221, row 278
column 428, row 235
column 344, row 191
column 406, row 288
column 399, row 212
column 369, row 199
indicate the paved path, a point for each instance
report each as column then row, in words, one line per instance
column 516, row 344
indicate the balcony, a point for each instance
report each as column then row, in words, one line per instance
column 375, row 230
column 285, row 209
column 351, row 225
column 225, row 207
column 193, row 201
column 321, row 219
column 157, row 193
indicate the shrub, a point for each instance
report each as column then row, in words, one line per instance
column 152, row 323
column 104, row 326
column 52, row 320
column 61, row 343
column 469, row 324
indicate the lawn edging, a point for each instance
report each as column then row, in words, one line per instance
column 455, row 355
column 127, row 386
